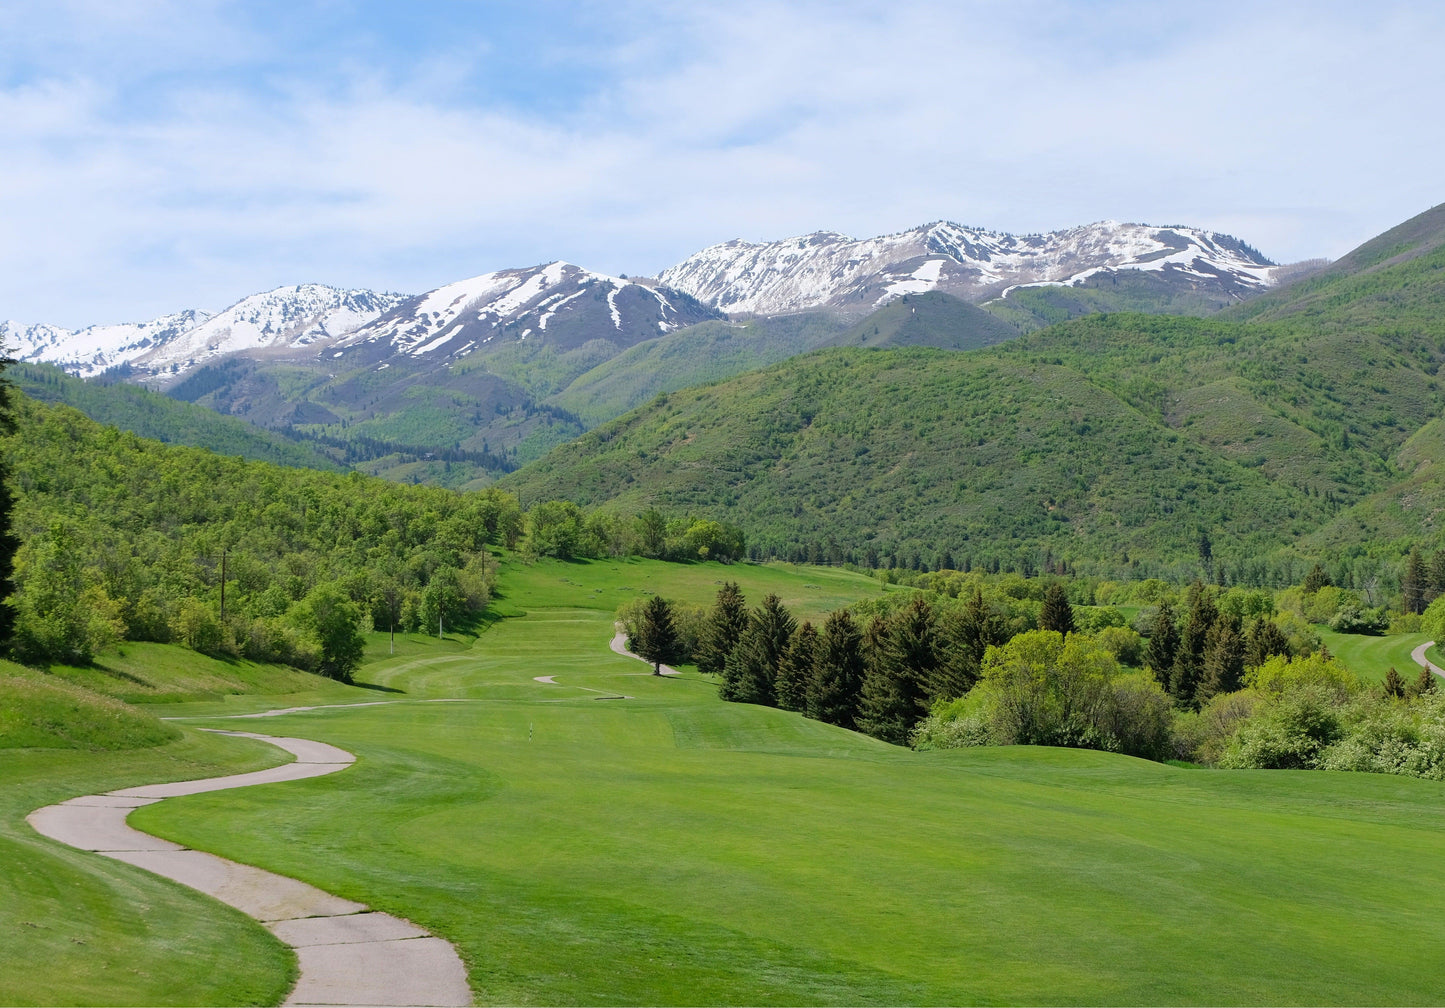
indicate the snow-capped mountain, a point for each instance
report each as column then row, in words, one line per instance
column 829, row 270
column 91, row 350
column 282, row 320
column 558, row 304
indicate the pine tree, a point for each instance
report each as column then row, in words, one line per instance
column 751, row 672
column 9, row 544
column 657, row 636
column 1437, row 574
column 1222, row 669
column 838, row 676
column 1414, row 583
column 795, row 674
column 1189, row 660
column 723, row 629
column 1264, row 641
column 1057, row 614
column 1315, row 580
column 1163, row 644
column 1394, row 685
column 893, row 699
column 1424, row 683
column 913, row 642
column 965, row 635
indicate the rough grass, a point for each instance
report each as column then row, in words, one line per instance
column 41, row 711
column 81, row 929
column 670, row 848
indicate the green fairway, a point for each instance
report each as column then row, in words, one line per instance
column 670, row 848
column 1371, row 657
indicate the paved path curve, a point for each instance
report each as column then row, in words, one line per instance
column 348, row 954
column 619, row 644
column 1419, row 655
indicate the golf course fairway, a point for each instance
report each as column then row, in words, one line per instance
column 669, row 848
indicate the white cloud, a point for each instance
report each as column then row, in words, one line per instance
column 153, row 177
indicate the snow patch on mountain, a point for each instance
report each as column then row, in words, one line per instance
column 89, row 351
column 831, row 270
column 528, row 303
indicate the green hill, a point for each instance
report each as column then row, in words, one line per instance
column 1112, row 441
column 152, row 415
column 932, row 319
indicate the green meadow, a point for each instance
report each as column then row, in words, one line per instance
column 620, row 838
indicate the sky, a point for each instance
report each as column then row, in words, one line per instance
column 157, row 155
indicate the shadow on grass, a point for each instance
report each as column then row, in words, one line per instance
column 378, row 687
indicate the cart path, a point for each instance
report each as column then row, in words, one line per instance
column 1419, row 655
column 347, row 953
column 619, row 644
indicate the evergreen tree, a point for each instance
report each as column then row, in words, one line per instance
column 1189, row 660
column 1424, row 683
column 1394, row 685
column 1264, row 641
column 1315, row 580
column 9, row 543
column 795, row 675
column 723, row 629
column 914, row 643
column 1163, row 644
column 657, row 635
column 1437, row 575
column 1057, row 615
column 1414, row 583
column 838, row 675
column 893, row 699
column 751, row 672
column 1222, row 669
column 965, row 635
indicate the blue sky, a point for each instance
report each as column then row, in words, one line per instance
column 163, row 154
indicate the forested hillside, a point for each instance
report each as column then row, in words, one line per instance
column 1117, row 443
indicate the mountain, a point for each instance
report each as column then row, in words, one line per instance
column 1113, row 442
column 283, row 322
column 557, row 304
column 94, row 349
column 830, row 270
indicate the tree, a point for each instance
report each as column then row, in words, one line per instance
column 1057, row 615
column 893, row 698
column 1394, row 685
column 1189, row 660
column 1315, row 580
column 1163, row 644
column 1223, row 664
column 333, row 622
column 1264, row 641
column 724, row 628
column 1415, row 583
column 1424, row 683
column 751, row 672
column 838, row 672
column 795, row 674
column 9, row 543
column 965, row 635
column 656, row 640
column 62, row 614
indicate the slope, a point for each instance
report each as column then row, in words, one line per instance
column 152, row 415
column 911, row 454
column 669, row 848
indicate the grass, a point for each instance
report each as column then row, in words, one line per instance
column 81, row 929
column 670, row 848
column 1371, row 657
